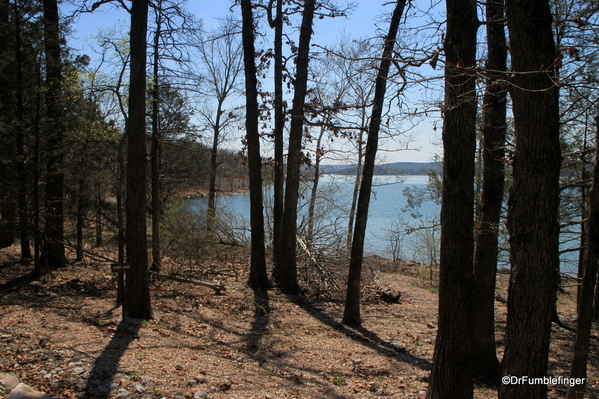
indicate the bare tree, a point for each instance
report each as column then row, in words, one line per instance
column 351, row 315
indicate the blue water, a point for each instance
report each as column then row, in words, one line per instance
column 389, row 219
column 387, row 209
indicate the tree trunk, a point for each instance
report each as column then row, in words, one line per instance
column 19, row 128
column 484, row 356
column 137, row 288
column 356, row 191
column 80, row 221
column 451, row 376
column 279, row 115
column 53, row 250
column 351, row 315
column 211, row 209
column 155, row 149
column 578, row 368
column 284, row 274
column 534, row 197
column 314, row 191
column 258, row 278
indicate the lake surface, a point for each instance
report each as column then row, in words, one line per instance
column 393, row 230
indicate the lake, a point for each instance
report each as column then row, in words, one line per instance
column 393, row 231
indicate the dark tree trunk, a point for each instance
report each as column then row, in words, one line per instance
column 284, row 274
column 585, row 306
column 211, row 209
column 80, row 221
column 484, row 356
column 534, row 197
column 155, row 149
column 351, row 315
column 53, row 250
column 258, row 278
column 137, row 288
column 279, row 115
column 19, row 128
column 451, row 376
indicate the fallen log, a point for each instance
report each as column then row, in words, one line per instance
column 217, row 287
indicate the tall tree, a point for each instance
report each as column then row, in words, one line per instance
column 484, row 356
column 284, row 274
column 451, row 376
column 258, row 278
column 53, row 251
column 351, row 315
column 533, row 202
column 137, row 287
column 155, row 147
column 578, row 368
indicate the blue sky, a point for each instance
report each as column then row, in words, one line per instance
column 362, row 22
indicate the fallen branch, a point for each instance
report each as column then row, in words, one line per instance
column 323, row 271
column 216, row 287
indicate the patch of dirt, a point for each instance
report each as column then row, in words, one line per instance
column 63, row 335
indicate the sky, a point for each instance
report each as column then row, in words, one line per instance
column 361, row 22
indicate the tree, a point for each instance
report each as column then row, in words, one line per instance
column 451, row 376
column 284, row 274
column 258, row 278
column 53, row 250
column 485, row 362
column 534, row 196
column 585, row 303
column 351, row 315
column 221, row 54
column 137, row 287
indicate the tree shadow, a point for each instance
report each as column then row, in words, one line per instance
column 362, row 335
column 259, row 323
column 99, row 383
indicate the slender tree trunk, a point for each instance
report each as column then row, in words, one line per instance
column 211, row 210
column 279, row 173
column 451, row 376
column 258, row 278
column 484, row 356
column 534, row 197
column 99, row 227
column 20, row 133
column 155, row 149
column 53, row 251
column 351, row 315
column 284, row 274
column 354, row 202
column 578, row 368
column 314, row 192
column 80, row 221
column 137, row 287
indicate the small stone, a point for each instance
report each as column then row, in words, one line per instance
column 24, row 391
column 123, row 393
column 78, row 370
column 9, row 382
column 200, row 395
column 201, row 380
column 139, row 388
column 356, row 361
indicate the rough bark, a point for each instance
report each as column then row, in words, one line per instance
column 534, row 197
column 155, row 149
column 137, row 288
column 351, row 314
column 284, row 274
column 578, row 368
column 258, row 278
column 53, row 251
column 451, row 376
column 484, row 356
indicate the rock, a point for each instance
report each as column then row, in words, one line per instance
column 139, row 388
column 200, row 395
column 356, row 361
column 390, row 296
column 24, row 391
column 9, row 381
column 78, row 370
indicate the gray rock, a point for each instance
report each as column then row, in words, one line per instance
column 9, row 381
column 23, row 391
column 200, row 395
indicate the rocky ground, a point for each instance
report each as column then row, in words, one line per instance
column 63, row 335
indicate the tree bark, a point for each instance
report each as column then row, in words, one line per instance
column 578, row 368
column 155, row 149
column 534, row 197
column 451, row 376
column 284, row 274
column 137, row 287
column 351, row 314
column 258, row 278
column 53, row 250
column 484, row 356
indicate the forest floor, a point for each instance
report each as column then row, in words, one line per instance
column 63, row 335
